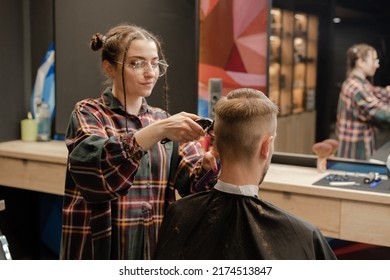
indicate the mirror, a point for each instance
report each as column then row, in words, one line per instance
column 341, row 23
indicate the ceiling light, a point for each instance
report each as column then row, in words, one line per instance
column 336, row 20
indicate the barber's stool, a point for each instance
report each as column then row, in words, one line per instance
column 4, row 250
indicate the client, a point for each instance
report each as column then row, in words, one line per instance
column 231, row 221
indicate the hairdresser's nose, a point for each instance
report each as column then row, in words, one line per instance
column 149, row 71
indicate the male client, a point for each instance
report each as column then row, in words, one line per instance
column 231, row 221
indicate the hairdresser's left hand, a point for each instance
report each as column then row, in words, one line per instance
column 210, row 160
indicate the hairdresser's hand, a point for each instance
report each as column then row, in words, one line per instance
column 180, row 127
column 210, row 160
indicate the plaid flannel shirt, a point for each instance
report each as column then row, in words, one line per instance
column 116, row 193
column 360, row 106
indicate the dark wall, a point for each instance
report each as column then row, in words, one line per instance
column 26, row 28
column 78, row 72
column 11, row 69
column 324, row 71
column 42, row 31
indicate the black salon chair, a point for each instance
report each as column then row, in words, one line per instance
column 4, row 250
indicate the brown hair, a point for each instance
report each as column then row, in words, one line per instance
column 354, row 53
column 116, row 43
column 241, row 119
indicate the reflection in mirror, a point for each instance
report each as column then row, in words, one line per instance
column 333, row 163
column 308, row 98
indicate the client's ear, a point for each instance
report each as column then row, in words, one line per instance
column 266, row 147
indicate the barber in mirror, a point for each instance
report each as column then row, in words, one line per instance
column 361, row 105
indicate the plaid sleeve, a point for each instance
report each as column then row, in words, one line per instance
column 190, row 168
column 102, row 166
column 367, row 103
column 369, row 106
column 382, row 94
column 202, row 180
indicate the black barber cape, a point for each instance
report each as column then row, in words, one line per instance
column 225, row 223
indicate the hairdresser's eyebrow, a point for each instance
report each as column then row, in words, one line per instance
column 141, row 57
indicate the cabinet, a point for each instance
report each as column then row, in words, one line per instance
column 293, row 61
column 296, row 133
column 292, row 78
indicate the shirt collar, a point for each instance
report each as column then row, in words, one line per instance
column 247, row 190
column 113, row 103
column 358, row 78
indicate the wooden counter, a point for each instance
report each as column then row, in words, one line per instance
column 36, row 166
column 340, row 213
column 347, row 214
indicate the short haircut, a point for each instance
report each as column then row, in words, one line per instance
column 241, row 119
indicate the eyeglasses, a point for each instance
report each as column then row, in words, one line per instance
column 376, row 61
column 141, row 66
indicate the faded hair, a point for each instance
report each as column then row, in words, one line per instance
column 355, row 52
column 116, row 42
column 241, row 120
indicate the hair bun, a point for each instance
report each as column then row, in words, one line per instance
column 97, row 41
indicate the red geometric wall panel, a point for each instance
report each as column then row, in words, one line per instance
column 233, row 46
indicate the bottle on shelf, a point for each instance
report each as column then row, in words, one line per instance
column 43, row 117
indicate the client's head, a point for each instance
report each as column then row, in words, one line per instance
column 245, row 121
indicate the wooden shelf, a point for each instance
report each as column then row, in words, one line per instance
column 293, row 61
